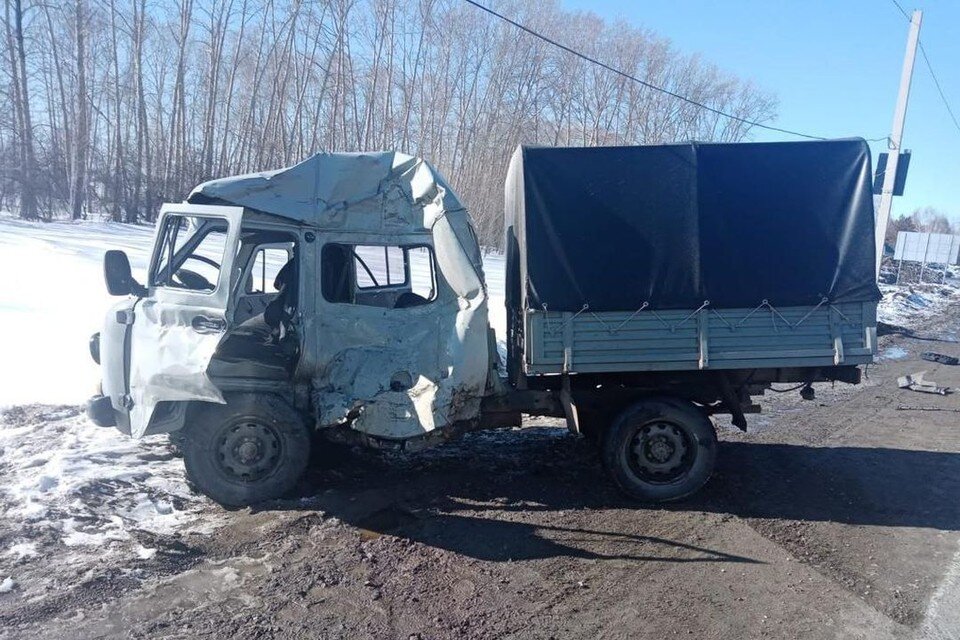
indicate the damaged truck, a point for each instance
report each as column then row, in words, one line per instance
column 343, row 299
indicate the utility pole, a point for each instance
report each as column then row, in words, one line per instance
column 896, row 135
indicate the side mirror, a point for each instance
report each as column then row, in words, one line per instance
column 116, row 272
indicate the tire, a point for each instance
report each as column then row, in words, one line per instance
column 660, row 450
column 252, row 449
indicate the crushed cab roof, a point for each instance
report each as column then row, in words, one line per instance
column 387, row 190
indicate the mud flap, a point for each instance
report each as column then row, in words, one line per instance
column 569, row 407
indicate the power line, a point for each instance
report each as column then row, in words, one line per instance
column 933, row 74
column 936, row 81
column 648, row 85
column 900, row 7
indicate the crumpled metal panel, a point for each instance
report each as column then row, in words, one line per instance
column 402, row 373
column 402, row 377
column 393, row 373
column 169, row 356
column 169, row 360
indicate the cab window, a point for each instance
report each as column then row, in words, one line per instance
column 190, row 253
column 267, row 263
column 390, row 276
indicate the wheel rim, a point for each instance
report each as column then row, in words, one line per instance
column 248, row 450
column 660, row 452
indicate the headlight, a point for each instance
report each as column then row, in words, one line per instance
column 95, row 347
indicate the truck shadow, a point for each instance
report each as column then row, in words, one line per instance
column 542, row 494
column 848, row 485
column 507, row 540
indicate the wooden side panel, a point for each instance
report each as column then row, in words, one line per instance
column 705, row 338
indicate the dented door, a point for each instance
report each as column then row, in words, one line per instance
column 398, row 367
column 178, row 326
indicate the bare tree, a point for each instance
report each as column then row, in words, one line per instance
column 27, row 169
column 78, row 167
column 140, row 101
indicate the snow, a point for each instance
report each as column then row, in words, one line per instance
column 53, row 298
column 909, row 305
column 894, row 353
column 7, row 585
column 90, row 487
column 144, row 553
column 22, row 550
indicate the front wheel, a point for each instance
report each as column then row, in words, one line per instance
column 660, row 450
column 252, row 449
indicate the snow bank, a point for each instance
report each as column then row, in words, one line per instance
column 68, row 482
column 911, row 305
column 52, row 299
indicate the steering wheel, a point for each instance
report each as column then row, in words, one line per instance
column 193, row 280
column 205, row 259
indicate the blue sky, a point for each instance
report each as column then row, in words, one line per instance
column 835, row 67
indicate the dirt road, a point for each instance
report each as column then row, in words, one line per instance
column 838, row 518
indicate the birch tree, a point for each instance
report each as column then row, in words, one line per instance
column 139, row 101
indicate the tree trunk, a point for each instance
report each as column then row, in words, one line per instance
column 80, row 120
column 28, row 162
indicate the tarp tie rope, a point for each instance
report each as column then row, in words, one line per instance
column 560, row 327
column 658, row 317
column 746, row 317
column 552, row 328
column 706, row 303
column 775, row 313
column 840, row 313
column 724, row 320
column 823, row 301
column 616, row 329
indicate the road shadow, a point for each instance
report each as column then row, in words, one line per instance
column 849, row 485
column 505, row 540
column 499, row 497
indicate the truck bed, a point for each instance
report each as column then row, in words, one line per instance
column 699, row 339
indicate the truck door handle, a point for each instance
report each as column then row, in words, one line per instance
column 205, row 324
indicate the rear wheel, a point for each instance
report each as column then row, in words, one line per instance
column 252, row 449
column 660, row 450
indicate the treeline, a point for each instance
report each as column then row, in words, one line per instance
column 924, row 219
column 118, row 105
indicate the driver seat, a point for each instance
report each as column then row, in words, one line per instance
column 280, row 309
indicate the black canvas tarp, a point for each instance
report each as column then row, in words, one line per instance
column 674, row 226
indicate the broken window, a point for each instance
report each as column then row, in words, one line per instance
column 190, row 254
column 379, row 266
column 266, row 265
column 269, row 277
column 391, row 276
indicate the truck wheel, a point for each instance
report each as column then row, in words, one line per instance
column 660, row 450
column 252, row 449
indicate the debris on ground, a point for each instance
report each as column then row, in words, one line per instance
column 911, row 407
column 940, row 358
column 916, row 382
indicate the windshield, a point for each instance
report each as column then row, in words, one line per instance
column 190, row 253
